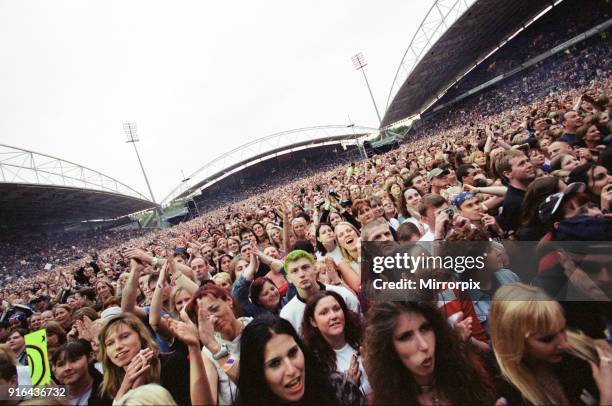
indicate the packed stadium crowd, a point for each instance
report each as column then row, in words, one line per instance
column 225, row 193
column 262, row 301
column 20, row 257
column 563, row 22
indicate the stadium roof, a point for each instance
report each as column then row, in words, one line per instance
column 265, row 148
column 38, row 189
column 436, row 58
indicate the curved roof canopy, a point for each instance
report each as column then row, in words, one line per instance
column 265, row 148
column 454, row 37
column 38, row 189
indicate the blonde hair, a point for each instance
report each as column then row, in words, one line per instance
column 222, row 277
column 269, row 233
column 343, row 252
column 113, row 375
column 147, row 395
column 172, row 302
column 517, row 311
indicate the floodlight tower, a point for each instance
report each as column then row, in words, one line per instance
column 132, row 137
column 360, row 63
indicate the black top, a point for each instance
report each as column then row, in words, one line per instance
column 511, row 209
column 532, row 233
column 96, row 398
column 575, row 377
column 175, row 376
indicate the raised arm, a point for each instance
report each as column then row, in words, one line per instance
column 286, row 229
column 488, row 190
column 145, row 258
column 275, row 264
column 157, row 300
column 199, row 386
column 130, row 291
column 349, row 276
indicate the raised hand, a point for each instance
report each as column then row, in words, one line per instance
column 353, row 372
column 463, row 327
column 87, row 329
column 185, row 330
column 206, row 329
column 606, row 198
column 253, row 266
column 602, row 373
column 331, row 271
column 138, row 255
column 135, row 374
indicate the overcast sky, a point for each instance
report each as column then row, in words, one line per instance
column 198, row 77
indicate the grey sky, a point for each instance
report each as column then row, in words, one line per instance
column 198, row 77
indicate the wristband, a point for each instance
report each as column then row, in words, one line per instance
column 222, row 353
column 228, row 364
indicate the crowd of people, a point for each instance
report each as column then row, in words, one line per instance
column 565, row 21
column 263, row 301
column 20, row 257
column 272, row 175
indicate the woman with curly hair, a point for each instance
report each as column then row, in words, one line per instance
column 414, row 357
column 333, row 333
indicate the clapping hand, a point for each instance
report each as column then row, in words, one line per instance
column 463, row 327
column 185, row 330
column 206, row 328
column 353, row 372
column 135, row 373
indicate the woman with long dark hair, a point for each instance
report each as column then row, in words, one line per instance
column 276, row 368
column 333, row 333
column 263, row 240
column 326, row 242
column 414, row 357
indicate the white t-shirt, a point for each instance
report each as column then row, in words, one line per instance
column 394, row 223
column 233, row 347
column 293, row 311
column 335, row 255
column 343, row 361
column 428, row 236
column 227, row 390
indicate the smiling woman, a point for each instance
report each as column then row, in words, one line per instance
column 73, row 366
column 333, row 333
column 131, row 358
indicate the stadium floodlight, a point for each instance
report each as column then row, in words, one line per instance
column 132, row 137
column 360, row 63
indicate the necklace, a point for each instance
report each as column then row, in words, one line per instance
column 429, row 390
